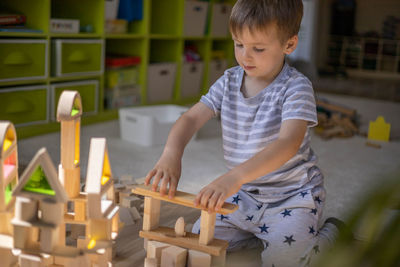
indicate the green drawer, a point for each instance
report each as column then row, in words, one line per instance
column 87, row 89
column 77, row 57
column 24, row 105
column 23, row 59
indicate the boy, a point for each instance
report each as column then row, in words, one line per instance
column 266, row 110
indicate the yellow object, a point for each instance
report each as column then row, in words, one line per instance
column 379, row 130
column 92, row 244
column 7, row 144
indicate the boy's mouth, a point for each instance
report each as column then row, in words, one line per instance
column 249, row 67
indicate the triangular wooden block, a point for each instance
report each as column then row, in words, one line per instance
column 40, row 180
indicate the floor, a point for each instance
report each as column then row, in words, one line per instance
column 350, row 167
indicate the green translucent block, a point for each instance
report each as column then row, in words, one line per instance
column 8, row 194
column 74, row 111
column 38, row 183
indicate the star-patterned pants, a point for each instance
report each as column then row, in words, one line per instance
column 288, row 229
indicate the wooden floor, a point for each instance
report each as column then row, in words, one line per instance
column 129, row 246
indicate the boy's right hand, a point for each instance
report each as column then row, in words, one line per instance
column 167, row 171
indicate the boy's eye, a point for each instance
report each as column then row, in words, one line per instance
column 239, row 45
column 258, row 50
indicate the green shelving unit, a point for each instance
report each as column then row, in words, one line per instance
column 157, row 38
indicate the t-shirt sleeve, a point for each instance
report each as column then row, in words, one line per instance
column 213, row 98
column 299, row 102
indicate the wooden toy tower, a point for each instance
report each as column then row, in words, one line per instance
column 8, row 181
column 102, row 210
column 40, row 198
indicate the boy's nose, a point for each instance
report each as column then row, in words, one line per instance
column 246, row 54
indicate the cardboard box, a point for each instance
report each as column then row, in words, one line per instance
column 148, row 125
column 195, row 18
column 192, row 78
column 64, row 25
column 160, row 81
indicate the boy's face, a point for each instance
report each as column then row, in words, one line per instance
column 261, row 53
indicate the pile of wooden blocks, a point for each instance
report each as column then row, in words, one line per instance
column 174, row 247
column 335, row 120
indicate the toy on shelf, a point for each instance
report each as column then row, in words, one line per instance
column 179, row 248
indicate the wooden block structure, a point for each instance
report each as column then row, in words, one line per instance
column 40, row 198
column 204, row 242
column 69, row 112
column 102, row 210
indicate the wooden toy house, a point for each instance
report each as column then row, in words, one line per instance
column 40, row 200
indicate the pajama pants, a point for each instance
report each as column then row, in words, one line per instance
column 288, row 229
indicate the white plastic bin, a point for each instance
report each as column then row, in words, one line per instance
column 195, row 18
column 160, row 81
column 192, row 78
column 149, row 125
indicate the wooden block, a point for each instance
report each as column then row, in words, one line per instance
column 7, row 257
column 125, row 193
column 70, row 143
column 190, row 241
column 125, row 216
column 150, row 262
column 151, row 214
column 48, row 239
column 52, row 212
column 198, row 259
column 80, row 210
column 77, row 230
column 135, row 214
column 5, row 225
column 26, row 260
column 173, row 256
column 207, row 226
column 219, row 261
column 70, row 179
column 62, row 234
column 131, row 201
column 181, row 198
column 25, row 209
column 99, row 229
column 154, row 249
column 180, row 227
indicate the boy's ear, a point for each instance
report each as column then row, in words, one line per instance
column 291, row 44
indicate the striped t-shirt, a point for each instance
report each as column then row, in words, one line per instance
column 250, row 124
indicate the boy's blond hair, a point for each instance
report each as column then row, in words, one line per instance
column 260, row 14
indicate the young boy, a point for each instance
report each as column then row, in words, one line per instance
column 266, row 110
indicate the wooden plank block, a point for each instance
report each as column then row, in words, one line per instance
column 219, row 261
column 154, row 249
column 198, row 259
column 151, row 214
column 207, row 226
column 181, row 198
column 150, row 262
column 80, row 210
column 173, row 256
column 190, row 241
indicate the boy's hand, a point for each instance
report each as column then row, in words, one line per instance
column 168, row 171
column 213, row 196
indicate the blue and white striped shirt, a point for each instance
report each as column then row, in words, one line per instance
column 250, row 124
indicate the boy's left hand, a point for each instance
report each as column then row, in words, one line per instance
column 213, row 196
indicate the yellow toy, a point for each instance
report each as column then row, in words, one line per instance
column 379, row 130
